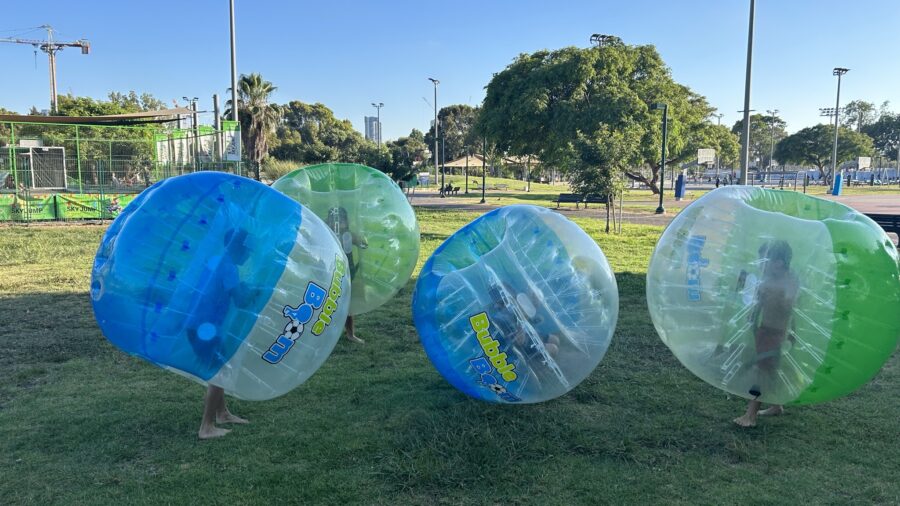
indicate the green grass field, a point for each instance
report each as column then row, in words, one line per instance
column 640, row 201
column 82, row 423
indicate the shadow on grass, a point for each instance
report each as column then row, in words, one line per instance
column 44, row 330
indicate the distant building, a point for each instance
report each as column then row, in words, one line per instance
column 373, row 129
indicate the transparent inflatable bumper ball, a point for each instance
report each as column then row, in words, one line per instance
column 518, row 306
column 776, row 295
column 373, row 221
column 223, row 280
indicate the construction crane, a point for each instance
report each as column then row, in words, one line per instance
column 51, row 47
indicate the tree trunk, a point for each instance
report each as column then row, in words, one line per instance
column 607, row 216
column 643, row 179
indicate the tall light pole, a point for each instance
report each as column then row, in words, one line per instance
column 772, row 113
column 436, row 83
column 662, row 161
column 838, row 71
column 443, row 163
column 234, row 102
column 718, row 123
column 745, row 138
column 195, row 149
column 378, row 107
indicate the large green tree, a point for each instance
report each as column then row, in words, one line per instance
column 310, row 133
column 814, row 145
column 258, row 117
column 765, row 132
column 457, row 123
column 578, row 108
column 857, row 114
column 885, row 134
column 406, row 154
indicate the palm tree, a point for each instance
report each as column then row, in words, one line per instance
column 258, row 118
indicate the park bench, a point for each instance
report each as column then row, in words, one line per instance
column 568, row 198
column 456, row 190
column 889, row 222
column 501, row 186
column 595, row 199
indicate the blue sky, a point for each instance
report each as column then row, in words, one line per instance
column 349, row 54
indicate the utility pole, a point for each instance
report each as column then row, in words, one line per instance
column 378, row 107
column 838, row 71
column 196, row 130
column 234, row 102
column 52, row 47
column 436, row 126
column 745, row 138
column 217, row 125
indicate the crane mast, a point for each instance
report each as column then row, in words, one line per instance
column 51, row 47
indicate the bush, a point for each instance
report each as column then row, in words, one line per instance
column 273, row 169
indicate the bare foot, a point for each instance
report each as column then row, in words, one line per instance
column 773, row 410
column 745, row 421
column 212, row 432
column 227, row 417
column 353, row 338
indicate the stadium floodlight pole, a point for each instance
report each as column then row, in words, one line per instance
column 838, row 71
column 662, row 161
column 772, row 113
column 745, row 140
column 378, row 107
column 436, row 83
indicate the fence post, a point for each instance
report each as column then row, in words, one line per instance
column 108, row 169
column 12, row 150
column 78, row 159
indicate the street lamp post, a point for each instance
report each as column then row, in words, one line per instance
column 378, row 107
column 195, row 145
column 484, row 157
column 234, row 102
column 436, row 83
column 771, row 114
column 662, row 161
column 719, row 123
column 838, row 71
column 443, row 162
column 745, row 138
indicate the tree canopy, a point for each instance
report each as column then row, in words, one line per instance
column 579, row 108
column 764, row 130
column 858, row 114
column 885, row 134
column 457, row 123
column 814, row 145
column 310, row 133
column 257, row 116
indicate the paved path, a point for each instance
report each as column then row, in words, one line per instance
column 883, row 204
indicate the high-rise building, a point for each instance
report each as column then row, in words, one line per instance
column 373, row 129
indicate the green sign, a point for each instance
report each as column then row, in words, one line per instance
column 62, row 206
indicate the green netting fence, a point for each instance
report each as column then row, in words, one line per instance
column 54, row 171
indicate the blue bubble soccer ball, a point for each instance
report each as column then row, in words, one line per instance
column 518, row 306
column 223, row 280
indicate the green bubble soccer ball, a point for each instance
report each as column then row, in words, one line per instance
column 776, row 295
column 372, row 220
